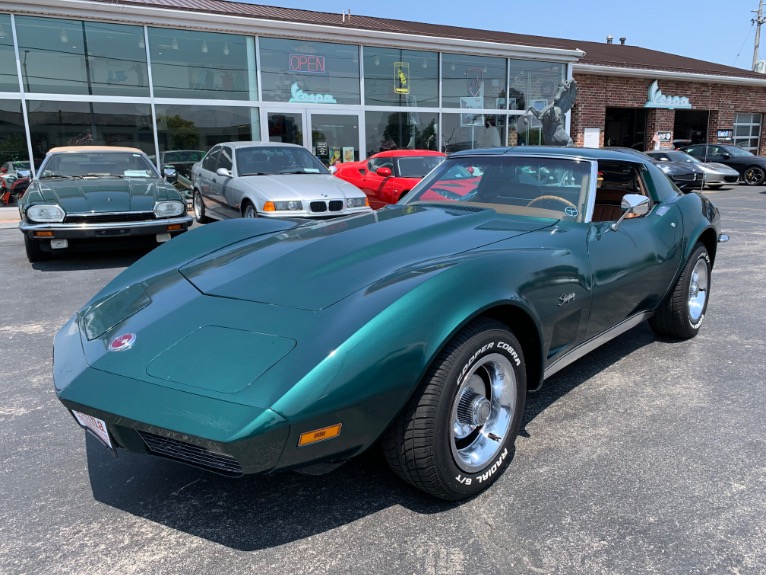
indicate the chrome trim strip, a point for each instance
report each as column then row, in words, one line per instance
column 588, row 346
column 52, row 226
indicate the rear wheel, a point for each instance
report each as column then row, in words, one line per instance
column 682, row 312
column 34, row 252
column 754, row 176
column 456, row 435
column 199, row 208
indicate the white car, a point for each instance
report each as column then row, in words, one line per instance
column 267, row 179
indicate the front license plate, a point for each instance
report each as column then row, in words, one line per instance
column 96, row 425
column 163, row 238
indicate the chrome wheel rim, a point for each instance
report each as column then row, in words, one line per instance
column 482, row 412
column 249, row 212
column 698, row 290
column 197, row 206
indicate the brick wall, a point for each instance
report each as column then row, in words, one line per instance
column 596, row 93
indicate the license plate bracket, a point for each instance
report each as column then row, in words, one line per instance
column 96, row 426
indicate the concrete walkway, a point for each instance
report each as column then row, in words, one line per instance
column 9, row 217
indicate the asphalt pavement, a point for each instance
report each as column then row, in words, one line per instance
column 646, row 456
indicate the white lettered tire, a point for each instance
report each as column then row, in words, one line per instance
column 456, row 435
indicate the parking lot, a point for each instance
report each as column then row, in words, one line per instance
column 646, row 456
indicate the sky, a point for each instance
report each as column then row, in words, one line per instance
column 712, row 30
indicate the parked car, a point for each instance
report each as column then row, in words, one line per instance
column 182, row 161
column 258, row 345
column 268, row 179
column 387, row 177
column 716, row 175
column 94, row 196
column 8, row 174
column 683, row 174
column 751, row 168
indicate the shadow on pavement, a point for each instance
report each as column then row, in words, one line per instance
column 261, row 512
column 88, row 260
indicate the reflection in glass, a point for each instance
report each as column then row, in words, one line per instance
column 473, row 82
column 335, row 137
column 395, row 77
column 71, row 57
column 309, row 72
column 286, row 127
column 400, row 130
column 182, row 127
column 13, row 140
column 9, row 79
column 189, row 64
column 89, row 123
column 469, row 131
column 533, row 84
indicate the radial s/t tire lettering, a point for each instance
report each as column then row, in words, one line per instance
column 681, row 314
column 456, row 435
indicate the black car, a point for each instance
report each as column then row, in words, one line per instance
column 685, row 176
column 751, row 168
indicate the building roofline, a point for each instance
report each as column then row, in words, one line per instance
column 655, row 74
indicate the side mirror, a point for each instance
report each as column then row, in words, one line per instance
column 22, row 173
column 634, row 204
column 223, row 172
column 725, row 156
column 384, row 172
column 170, row 174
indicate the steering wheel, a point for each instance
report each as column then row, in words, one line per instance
column 554, row 198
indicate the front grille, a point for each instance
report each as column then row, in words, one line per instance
column 318, row 207
column 336, row 205
column 191, row 454
column 109, row 218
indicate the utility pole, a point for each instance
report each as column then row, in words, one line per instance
column 758, row 20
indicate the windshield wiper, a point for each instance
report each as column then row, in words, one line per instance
column 102, row 176
column 255, row 174
column 60, row 176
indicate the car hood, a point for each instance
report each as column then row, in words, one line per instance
column 677, row 168
column 301, row 187
column 106, row 194
column 313, row 266
column 716, row 167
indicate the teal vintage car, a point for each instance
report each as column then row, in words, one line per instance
column 258, row 345
column 99, row 197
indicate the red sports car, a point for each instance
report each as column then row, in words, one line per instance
column 387, row 176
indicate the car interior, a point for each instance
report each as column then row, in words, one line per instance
column 615, row 179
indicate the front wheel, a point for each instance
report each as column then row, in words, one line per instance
column 199, row 208
column 682, row 312
column 754, row 176
column 456, row 435
column 249, row 211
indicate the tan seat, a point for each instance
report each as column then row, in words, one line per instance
column 606, row 213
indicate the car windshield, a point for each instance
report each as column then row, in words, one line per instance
column 531, row 186
column 270, row 160
column 417, row 166
column 737, row 152
column 98, row 164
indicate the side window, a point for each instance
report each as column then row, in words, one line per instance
column 375, row 163
column 211, row 160
column 224, row 159
column 696, row 151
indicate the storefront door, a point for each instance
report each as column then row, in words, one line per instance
column 332, row 137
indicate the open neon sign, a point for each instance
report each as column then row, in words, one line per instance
column 307, row 63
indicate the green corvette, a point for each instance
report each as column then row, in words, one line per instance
column 251, row 346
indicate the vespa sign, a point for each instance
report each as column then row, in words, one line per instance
column 656, row 99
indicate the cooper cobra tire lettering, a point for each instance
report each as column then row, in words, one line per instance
column 456, row 434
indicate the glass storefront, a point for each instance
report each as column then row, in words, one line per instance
column 184, row 127
column 304, row 72
column 9, row 78
column 401, row 130
column 54, row 124
column 401, row 77
column 88, row 82
column 86, row 58
column 13, row 139
column 188, row 64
